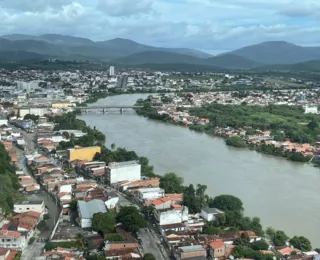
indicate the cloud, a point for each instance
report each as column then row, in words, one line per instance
column 34, row 5
column 202, row 24
column 125, row 7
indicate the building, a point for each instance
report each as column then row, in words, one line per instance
column 61, row 104
column 217, row 249
column 123, row 171
column 171, row 216
column 186, row 252
column 12, row 239
column 26, row 205
column 7, row 254
column 211, row 214
column 311, row 110
column 111, row 71
column 86, row 211
column 150, row 193
column 86, row 153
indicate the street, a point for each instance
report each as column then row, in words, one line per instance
column 150, row 244
column 32, row 251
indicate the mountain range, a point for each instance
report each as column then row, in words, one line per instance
column 17, row 47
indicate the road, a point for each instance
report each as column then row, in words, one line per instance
column 150, row 244
column 32, row 251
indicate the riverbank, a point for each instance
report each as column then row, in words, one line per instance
column 266, row 142
column 277, row 185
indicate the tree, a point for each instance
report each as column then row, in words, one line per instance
column 301, row 243
column 113, row 146
column 191, row 200
column 104, row 222
column 317, row 250
column 279, row 238
column 42, row 225
column 313, row 124
column 236, row 141
column 171, row 183
column 227, row 203
column 259, row 245
column 80, row 242
column 149, row 256
column 32, row 117
column 131, row 219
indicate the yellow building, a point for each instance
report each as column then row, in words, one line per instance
column 86, row 153
column 61, row 104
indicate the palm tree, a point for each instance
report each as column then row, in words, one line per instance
column 80, row 242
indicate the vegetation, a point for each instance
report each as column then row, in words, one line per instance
column 80, row 242
column 104, row 222
column 301, row 243
column 149, row 256
column 236, row 141
column 42, row 225
column 53, row 245
column 227, row 203
column 131, row 219
column 31, row 240
column 278, row 237
column 9, row 183
column 171, row 183
column 34, row 118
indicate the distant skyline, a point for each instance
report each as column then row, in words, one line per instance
column 214, row 26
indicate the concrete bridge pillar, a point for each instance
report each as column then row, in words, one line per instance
column 121, row 110
column 103, row 110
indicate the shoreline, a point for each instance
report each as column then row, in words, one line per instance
column 277, row 152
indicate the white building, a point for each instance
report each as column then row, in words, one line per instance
column 123, row 171
column 311, row 110
column 211, row 214
column 112, row 200
column 111, row 71
column 86, row 211
column 65, row 188
column 12, row 239
column 26, row 205
column 3, row 122
column 150, row 193
column 172, row 216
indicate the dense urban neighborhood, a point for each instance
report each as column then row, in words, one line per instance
column 66, row 193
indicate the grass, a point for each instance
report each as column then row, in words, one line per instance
column 282, row 82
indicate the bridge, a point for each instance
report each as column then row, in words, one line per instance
column 104, row 108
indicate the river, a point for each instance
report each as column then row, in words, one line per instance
column 284, row 194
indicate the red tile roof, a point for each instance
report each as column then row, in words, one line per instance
column 7, row 233
column 217, row 244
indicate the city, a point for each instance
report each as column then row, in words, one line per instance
column 157, row 130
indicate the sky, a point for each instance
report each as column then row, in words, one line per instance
column 211, row 25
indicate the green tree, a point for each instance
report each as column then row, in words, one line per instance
column 42, row 225
column 32, row 117
column 236, row 141
column 227, row 203
column 191, row 200
column 301, row 243
column 313, row 124
column 131, row 219
column 149, row 256
column 171, row 183
column 80, row 242
column 279, row 238
column 113, row 146
column 104, row 222
column 211, row 230
column 259, row 245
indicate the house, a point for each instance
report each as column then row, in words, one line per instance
column 12, row 239
column 86, row 211
column 187, row 252
column 171, row 216
column 217, row 249
column 211, row 214
column 150, row 193
column 7, row 254
column 26, row 205
column 86, row 153
column 112, row 200
column 123, row 171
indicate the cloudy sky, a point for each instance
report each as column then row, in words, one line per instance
column 211, row 25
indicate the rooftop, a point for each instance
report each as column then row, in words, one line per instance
column 114, row 165
column 212, row 211
column 192, row 248
column 87, row 209
column 29, row 202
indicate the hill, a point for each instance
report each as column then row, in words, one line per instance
column 308, row 66
column 278, row 52
column 55, row 44
column 181, row 67
column 156, row 57
column 232, row 61
column 20, row 56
